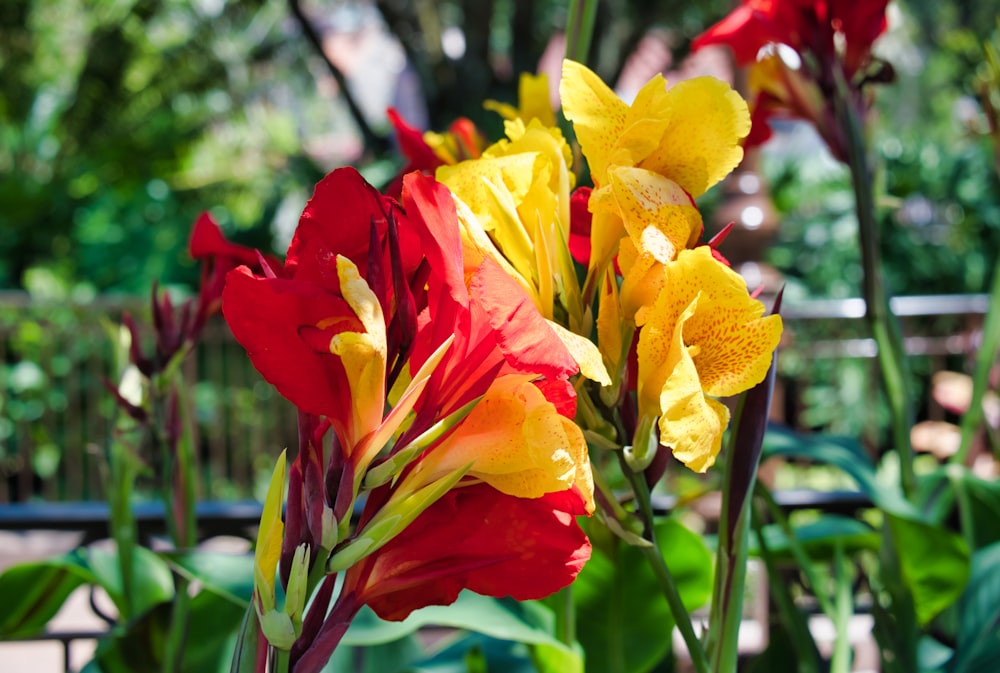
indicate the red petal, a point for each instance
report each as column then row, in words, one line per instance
column 207, row 241
column 526, row 340
column 337, row 220
column 411, row 141
column 479, row 539
column 268, row 317
column 580, row 219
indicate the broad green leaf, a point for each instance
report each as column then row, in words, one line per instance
column 820, row 536
column 978, row 647
column 933, row 561
column 840, row 452
column 983, row 501
column 501, row 619
column 32, row 593
column 477, row 653
column 152, row 581
column 550, row 659
column 139, row 647
column 621, row 614
column 214, row 622
column 227, row 575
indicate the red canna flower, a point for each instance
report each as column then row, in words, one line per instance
column 831, row 38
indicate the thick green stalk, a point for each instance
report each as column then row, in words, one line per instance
column 122, row 473
column 179, row 503
column 884, row 325
column 663, row 575
column 580, row 29
column 972, row 419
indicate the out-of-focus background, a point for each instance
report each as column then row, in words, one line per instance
column 121, row 120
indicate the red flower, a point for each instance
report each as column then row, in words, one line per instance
column 832, row 38
column 808, row 27
column 479, row 539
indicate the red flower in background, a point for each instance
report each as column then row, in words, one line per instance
column 832, row 38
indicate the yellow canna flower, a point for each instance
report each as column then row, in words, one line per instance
column 703, row 337
column 650, row 159
column 533, row 101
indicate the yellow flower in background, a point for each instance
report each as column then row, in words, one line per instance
column 704, row 337
column 533, row 101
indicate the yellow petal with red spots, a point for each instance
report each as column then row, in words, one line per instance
column 691, row 424
column 705, row 328
column 608, row 130
column 706, row 120
column 735, row 342
column 647, row 200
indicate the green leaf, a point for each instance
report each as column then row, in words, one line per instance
column 245, row 649
column 979, row 634
column 32, row 593
column 982, row 499
column 934, row 564
column 214, row 622
column 230, row 576
column 819, row 537
column 550, row 659
column 499, row 618
column 846, row 454
column 152, row 581
column 621, row 615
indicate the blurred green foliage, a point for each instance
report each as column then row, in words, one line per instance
column 121, row 120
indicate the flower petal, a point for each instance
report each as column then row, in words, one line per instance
column 479, row 539
column 706, row 120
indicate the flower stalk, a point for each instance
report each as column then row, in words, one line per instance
column 883, row 323
column 665, row 578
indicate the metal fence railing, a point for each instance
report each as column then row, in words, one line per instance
column 57, row 418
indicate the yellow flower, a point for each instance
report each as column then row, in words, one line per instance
column 704, row 337
column 533, row 101
column 649, row 160
column 518, row 193
column 689, row 133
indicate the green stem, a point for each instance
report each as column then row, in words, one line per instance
column 279, row 661
column 580, row 29
column 654, row 556
column 173, row 651
column 122, row 522
column 885, row 328
column 972, row 419
column 798, row 551
column 565, row 611
column 807, row 658
column 840, row 660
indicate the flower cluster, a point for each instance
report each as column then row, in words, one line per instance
column 448, row 355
